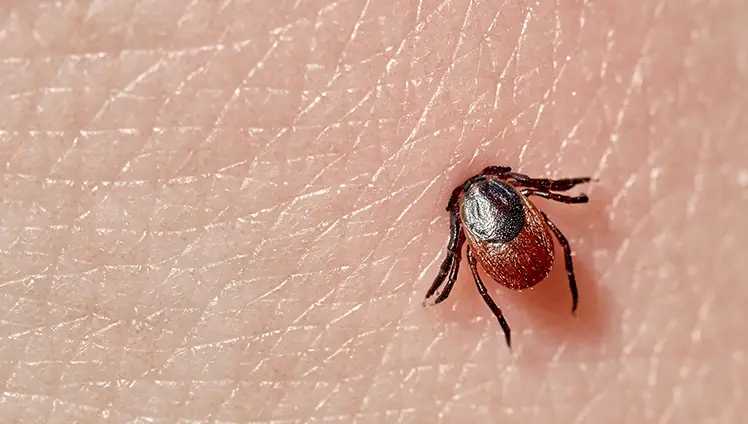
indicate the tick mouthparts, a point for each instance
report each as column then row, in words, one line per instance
column 471, row 181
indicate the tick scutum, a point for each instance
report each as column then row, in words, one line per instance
column 492, row 210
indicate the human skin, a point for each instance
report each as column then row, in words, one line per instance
column 231, row 211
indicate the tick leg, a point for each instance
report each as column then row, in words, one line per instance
column 562, row 184
column 453, row 274
column 452, row 204
column 569, row 265
column 486, row 298
column 455, row 234
column 582, row 198
column 495, row 170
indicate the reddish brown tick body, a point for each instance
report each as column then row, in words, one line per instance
column 506, row 233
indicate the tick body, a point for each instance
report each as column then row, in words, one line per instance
column 506, row 233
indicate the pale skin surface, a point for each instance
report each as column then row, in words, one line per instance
column 231, row 211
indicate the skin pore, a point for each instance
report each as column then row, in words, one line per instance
column 231, row 211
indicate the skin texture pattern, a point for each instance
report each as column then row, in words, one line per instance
column 230, row 211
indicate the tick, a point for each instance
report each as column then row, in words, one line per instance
column 506, row 233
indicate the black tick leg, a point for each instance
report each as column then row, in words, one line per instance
column 486, row 298
column 569, row 264
column 453, row 274
column 495, row 170
column 452, row 204
column 454, row 246
column 562, row 184
column 582, row 198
